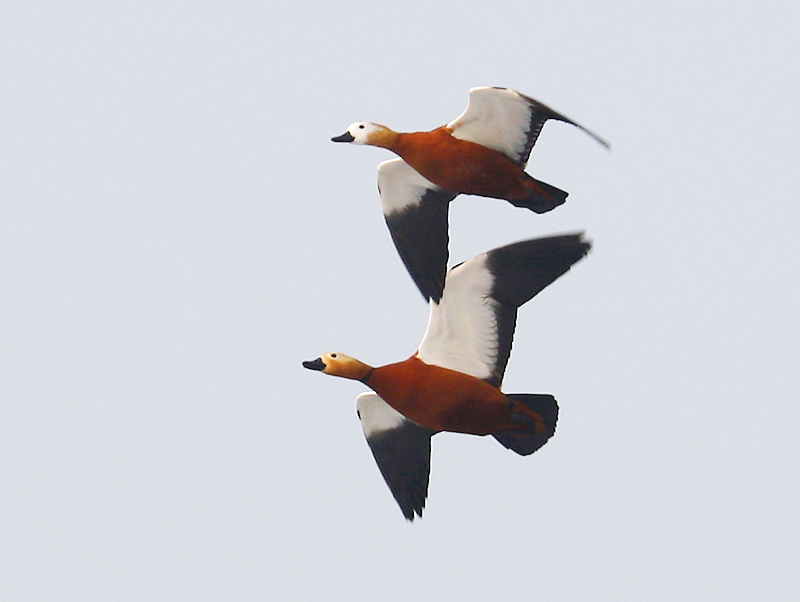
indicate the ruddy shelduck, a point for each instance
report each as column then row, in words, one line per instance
column 452, row 383
column 483, row 152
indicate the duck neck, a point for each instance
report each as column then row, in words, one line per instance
column 367, row 376
column 385, row 138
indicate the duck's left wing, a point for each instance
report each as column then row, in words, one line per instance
column 402, row 451
column 507, row 121
column 416, row 214
column 471, row 329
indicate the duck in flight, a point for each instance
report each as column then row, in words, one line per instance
column 482, row 152
column 452, row 383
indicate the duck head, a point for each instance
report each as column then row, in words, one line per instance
column 364, row 132
column 339, row 364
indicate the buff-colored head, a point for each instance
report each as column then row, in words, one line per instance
column 339, row 364
column 364, row 132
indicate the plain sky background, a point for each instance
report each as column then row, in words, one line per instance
column 177, row 233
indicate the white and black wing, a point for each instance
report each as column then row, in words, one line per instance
column 471, row 330
column 507, row 121
column 402, row 450
column 416, row 214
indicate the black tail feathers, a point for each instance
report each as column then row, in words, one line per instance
column 542, row 197
column 526, row 441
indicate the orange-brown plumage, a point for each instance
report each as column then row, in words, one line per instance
column 446, row 400
column 464, row 167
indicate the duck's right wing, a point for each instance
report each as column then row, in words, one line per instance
column 402, row 451
column 507, row 121
column 472, row 328
column 416, row 214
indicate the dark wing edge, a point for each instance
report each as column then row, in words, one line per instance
column 520, row 271
column 403, row 456
column 539, row 114
column 402, row 451
column 420, row 235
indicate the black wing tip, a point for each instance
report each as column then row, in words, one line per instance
column 554, row 115
column 569, row 248
column 412, row 499
column 403, row 458
column 431, row 293
column 430, row 298
column 411, row 511
column 521, row 270
column 602, row 141
column 420, row 236
column 540, row 113
column 545, row 113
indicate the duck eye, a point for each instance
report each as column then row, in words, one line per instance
column 361, row 127
column 333, row 355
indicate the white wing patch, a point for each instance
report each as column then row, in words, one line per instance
column 462, row 328
column 401, row 186
column 495, row 117
column 376, row 415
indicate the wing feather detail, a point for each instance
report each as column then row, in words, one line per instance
column 402, row 451
column 507, row 121
column 472, row 329
column 416, row 213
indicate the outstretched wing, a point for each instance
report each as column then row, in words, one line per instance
column 416, row 214
column 402, row 450
column 471, row 329
column 507, row 121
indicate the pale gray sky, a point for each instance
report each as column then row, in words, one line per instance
column 177, row 233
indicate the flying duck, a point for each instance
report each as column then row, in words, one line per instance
column 452, row 383
column 483, row 152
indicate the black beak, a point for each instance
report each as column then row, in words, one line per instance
column 316, row 364
column 346, row 137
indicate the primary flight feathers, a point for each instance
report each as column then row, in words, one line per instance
column 452, row 383
column 482, row 152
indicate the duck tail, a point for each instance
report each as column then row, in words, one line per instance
column 539, row 422
column 541, row 197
